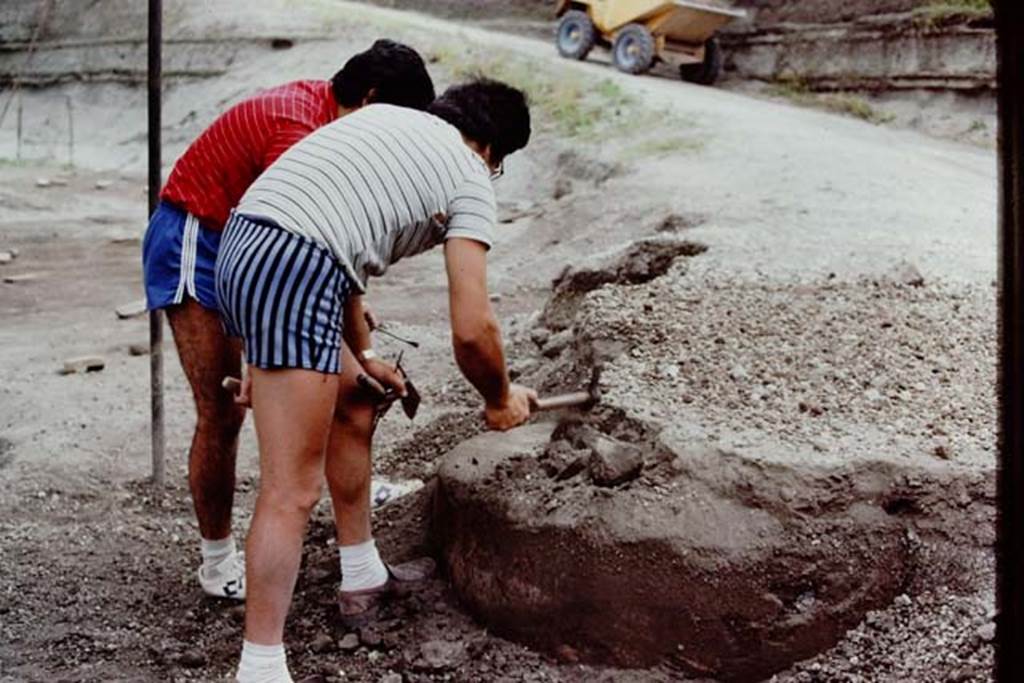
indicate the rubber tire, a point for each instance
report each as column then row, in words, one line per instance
column 640, row 61
column 708, row 71
column 575, row 20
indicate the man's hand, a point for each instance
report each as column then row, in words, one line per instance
column 388, row 376
column 515, row 410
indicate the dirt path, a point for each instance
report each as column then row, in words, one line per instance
column 96, row 570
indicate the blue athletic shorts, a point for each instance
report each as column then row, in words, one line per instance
column 283, row 294
column 178, row 259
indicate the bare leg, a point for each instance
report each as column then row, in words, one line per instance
column 348, row 465
column 292, row 410
column 207, row 356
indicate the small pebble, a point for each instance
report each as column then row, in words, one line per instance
column 349, row 642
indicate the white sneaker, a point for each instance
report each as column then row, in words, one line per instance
column 383, row 491
column 226, row 579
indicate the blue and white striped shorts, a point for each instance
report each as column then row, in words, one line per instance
column 283, row 294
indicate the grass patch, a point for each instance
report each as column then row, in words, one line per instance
column 943, row 12
column 857, row 107
column 571, row 105
column 9, row 162
column 797, row 91
column 662, row 147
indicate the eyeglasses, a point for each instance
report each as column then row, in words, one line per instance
column 498, row 172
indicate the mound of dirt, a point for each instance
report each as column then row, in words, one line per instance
column 714, row 562
column 640, row 262
column 771, row 463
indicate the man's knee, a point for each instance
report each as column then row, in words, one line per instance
column 297, row 499
column 220, row 419
column 355, row 418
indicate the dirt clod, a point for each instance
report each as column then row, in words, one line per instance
column 83, row 364
column 191, row 659
column 907, row 274
column 348, row 642
column 321, row 643
column 613, row 462
column 440, row 655
column 138, row 349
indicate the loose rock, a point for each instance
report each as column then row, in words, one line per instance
column 370, row 636
column 132, row 310
column 349, row 642
column 613, row 462
column 440, row 655
column 83, row 364
column 138, row 349
column 191, row 659
column 22, row 277
column 321, row 643
column 906, row 273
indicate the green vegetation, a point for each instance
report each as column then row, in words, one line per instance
column 660, row 147
column 852, row 105
column 8, row 162
column 796, row 90
column 941, row 12
column 575, row 105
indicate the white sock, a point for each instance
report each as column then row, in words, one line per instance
column 263, row 664
column 361, row 566
column 215, row 551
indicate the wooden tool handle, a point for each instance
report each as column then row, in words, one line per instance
column 573, row 400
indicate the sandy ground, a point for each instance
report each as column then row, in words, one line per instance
column 801, row 212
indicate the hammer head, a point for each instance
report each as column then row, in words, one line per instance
column 583, row 400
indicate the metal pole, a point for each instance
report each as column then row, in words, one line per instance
column 20, row 112
column 156, row 318
column 1010, row 476
column 71, row 131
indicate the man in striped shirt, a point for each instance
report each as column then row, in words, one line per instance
column 180, row 251
column 334, row 211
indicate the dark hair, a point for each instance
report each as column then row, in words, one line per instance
column 394, row 72
column 488, row 113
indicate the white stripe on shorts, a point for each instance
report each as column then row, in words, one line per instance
column 187, row 267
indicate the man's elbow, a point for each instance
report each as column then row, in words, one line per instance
column 471, row 339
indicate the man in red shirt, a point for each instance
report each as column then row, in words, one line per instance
column 179, row 255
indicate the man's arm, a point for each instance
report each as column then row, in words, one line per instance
column 476, row 336
column 356, row 332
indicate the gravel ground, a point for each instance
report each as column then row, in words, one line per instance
column 856, row 366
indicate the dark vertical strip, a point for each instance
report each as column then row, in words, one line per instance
column 1010, row 478
column 156, row 318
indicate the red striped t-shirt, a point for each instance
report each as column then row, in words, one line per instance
column 215, row 171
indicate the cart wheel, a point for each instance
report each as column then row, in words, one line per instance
column 634, row 49
column 576, row 35
column 708, row 71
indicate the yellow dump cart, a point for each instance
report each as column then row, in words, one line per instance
column 641, row 32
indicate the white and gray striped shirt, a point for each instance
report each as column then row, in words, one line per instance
column 376, row 186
